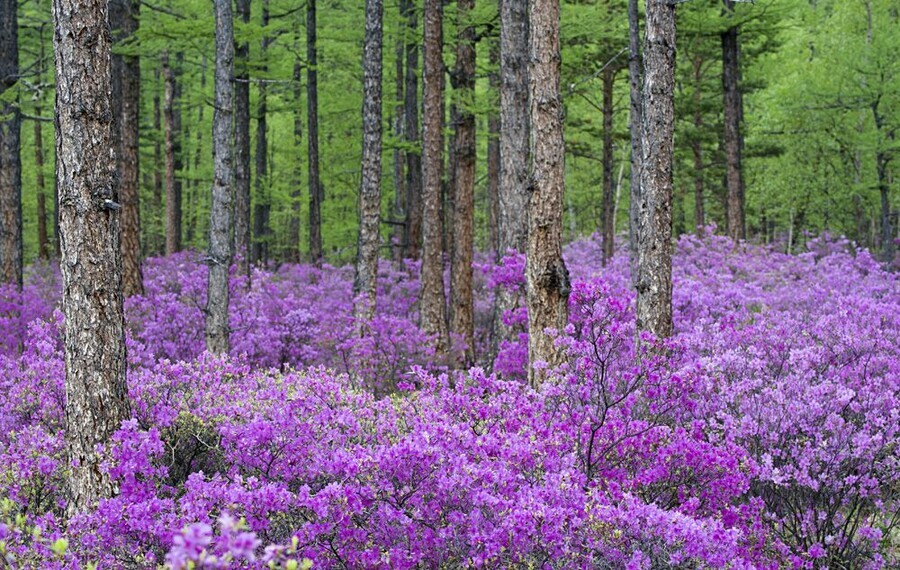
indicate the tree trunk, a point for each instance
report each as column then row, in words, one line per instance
column 191, row 217
column 172, row 150
column 222, row 202
column 697, row 149
column 733, row 112
column 636, row 120
column 261, row 211
column 398, row 211
column 881, row 173
column 91, row 262
column 654, row 286
column 462, row 314
column 366, row 276
column 10, row 160
column 242, row 147
column 432, row 305
column 546, row 275
column 316, row 195
column 43, row 242
column 493, row 154
column 293, row 252
column 609, row 197
column 413, row 226
column 159, row 241
column 127, row 95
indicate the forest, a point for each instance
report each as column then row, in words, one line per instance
column 449, row 284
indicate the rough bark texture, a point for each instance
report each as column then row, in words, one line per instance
column 546, row 276
column 654, row 285
column 432, row 303
column 263, row 206
column 124, row 16
column 242, row 146
column 222, row 202
column 91, row 262
column 312, row 101
column 413, row 237
column 172, row 151
column 733, row 114
column 370, row 185
column 697, row 148
column 609, row 197
column 462, row 319
column 10, row 161
column 636, row 120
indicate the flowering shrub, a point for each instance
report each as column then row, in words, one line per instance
column 764, row 434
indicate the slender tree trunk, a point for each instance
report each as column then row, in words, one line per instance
column 546, row 275
column 493, row 154
column 636, row 120
column 609, row 198
column 654, row 286
column 733, row 113
column 462, row 314
column 881, row 173
column 159, row 241
column 316, row 195
column 697, row 149
column 126, row 103
column 432, row 305
column 261, row 211
column 293, row 253
column 10, row 160
column 370, row 186
column 242, row 200
column 40, row 181
column 191, row 217
column 91, row 263
column 413, row 226
column 398, row 211
column 172, row 150
column 222, row 202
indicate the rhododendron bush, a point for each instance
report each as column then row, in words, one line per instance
column 764, row 434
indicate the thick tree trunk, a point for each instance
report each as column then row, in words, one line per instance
column 654, row 286
column 733, row 113
column 172, row 154
column 697, row 149
column 91, row 263
column 636, row 125
column 493, row 154
column 609, row 197
column 370, row 186
column 316, row 195
column 127, row 101
column 413, row 226
column 261, row 211
column 462, row 313
column 222, row 202
column 10, row 160
column 432, row 304
column 546, row 275
column 242, row 146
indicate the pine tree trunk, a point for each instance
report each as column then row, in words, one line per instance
column 222, row 201
column 462, row 314
column 43, row 242
column 413, row 226
column 242, row 147
column 261, row 236
column 159, row 242
column 172, row 151
column 432, row 305
column 654, row 286
column 370, row 186
column 733, row 112
column 10, row 160
column 546, row 275
column 293, row 250
column 697, row 149
column 609, row 197
column 312, row 101
column 91, row 262
column 636, row 125
column 398, row 210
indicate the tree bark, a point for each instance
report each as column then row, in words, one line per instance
column 697, row 149
column 316, row 195
column 262, row 209
column 10, row 142
column 546, row 275
column 242, row 199
column 636, row 120
column 91, row 262
column 413, row 225
column 368, row 242
column 172, row 152
column 222, row 202
column 398, row 210
column 733, row 114
column 609, row 197
column 432, row 305
column 462, row 313
column 654, row 286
